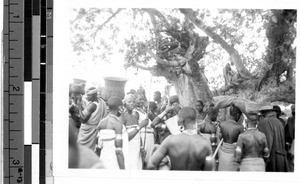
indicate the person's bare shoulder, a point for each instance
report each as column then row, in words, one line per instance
column 261, row 135
column 201, row 140
column 243, row 136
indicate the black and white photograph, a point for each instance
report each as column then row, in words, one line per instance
column 157, row 90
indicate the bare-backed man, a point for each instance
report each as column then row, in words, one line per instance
column 252, row 147
column 188, row 150
column 229, row 132
column 209, row 128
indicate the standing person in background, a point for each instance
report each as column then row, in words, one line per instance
column 229, row 132
column 131, row 120
column 278, row 114
column 90, row 117
column 152, row 115
column 74, row 96
column 166, row 122
column 274, row 131
column 200, row 111
column 252, row 147
column 157, row 98
column 290, row 139
column 151, row 110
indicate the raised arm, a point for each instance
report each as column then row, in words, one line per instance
column 86, row 113
column 158, row 119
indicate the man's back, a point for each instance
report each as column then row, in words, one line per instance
column 187, row 152
column 230, row 131
column 252, row 143
column 207, row 127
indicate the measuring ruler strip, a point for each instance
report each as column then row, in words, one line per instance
column 49, row 97
column 13, row 127
column 27, row 91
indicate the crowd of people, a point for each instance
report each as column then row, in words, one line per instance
column 133, row 133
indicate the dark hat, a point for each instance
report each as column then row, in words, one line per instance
column 278, row 110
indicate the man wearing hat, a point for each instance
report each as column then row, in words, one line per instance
column 252, row 146
column 279, row 113
column 290, row 139
column 274, row 131
column 90, row 116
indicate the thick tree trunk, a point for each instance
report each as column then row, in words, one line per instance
column 190, row 89
column 184, row 90
column 280, row 54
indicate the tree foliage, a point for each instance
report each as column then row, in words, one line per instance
column 225, row 49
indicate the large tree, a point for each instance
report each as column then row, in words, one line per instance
column 179, row 44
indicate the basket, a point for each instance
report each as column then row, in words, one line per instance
column 114, row 86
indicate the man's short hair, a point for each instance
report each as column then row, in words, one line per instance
column 173, row 99
column 234, row 110
column 114, row 102
column 157, row 93
column 252, row 116
column 152, row 105
column 187, row 113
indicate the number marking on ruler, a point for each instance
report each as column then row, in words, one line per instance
column 13, row 38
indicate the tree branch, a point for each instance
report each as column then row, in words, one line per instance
column 93, row 35
column 149, row 68
column 158, row 14
column 173, row 63
column 154, row 22
column 234, row 55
